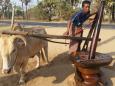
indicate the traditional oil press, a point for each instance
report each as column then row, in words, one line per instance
column 88, row 65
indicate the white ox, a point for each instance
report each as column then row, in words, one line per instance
column 16, row 50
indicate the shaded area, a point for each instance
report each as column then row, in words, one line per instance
column 60, row 68
column 106, row 41
column 112, row 54
column 10, row 80
column 107, row 74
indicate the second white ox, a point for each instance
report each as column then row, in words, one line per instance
column 16, row 50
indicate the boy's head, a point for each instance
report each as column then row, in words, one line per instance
column 86, row 6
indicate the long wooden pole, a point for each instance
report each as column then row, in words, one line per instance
column 42, row 36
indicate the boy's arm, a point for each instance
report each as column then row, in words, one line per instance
column 69, row 23
column 92, row 14
column 91, row 18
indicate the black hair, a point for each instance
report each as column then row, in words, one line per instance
column 86, row 2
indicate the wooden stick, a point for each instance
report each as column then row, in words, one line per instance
column 13, row 13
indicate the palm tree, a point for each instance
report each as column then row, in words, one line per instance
column 26, row 4
column 22, row 8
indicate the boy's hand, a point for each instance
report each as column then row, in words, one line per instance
column 90, row 22
column 66, row 33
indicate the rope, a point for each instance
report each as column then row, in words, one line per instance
column 54, row 41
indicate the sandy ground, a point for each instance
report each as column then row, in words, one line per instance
column 60, row 68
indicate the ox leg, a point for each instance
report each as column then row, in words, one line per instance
column 38, row 60
column 20, row 71
column 23, row 72
column 44, row 56
column 22, row 78
column 45, row 50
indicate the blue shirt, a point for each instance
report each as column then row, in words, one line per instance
column 79, row 18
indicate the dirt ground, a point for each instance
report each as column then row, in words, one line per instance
column 60, row 68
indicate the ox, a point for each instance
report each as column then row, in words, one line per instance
column 15, row 51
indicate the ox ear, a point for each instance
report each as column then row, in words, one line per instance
column 18, row 37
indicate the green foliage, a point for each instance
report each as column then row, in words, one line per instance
column 52, row 10
column 38, row 12
column 18, row 11
column 109, row 9
column 5, row 8
column 64, row 10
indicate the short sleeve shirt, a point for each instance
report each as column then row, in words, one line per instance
column 79, row 18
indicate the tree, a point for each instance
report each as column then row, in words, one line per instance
column 5, row 8
column 26, row 2
column 59, row 8
column 0, row 8
column 108, row 8
column 109, row 4
column 52, row 10
column 64, row 10
column 18, row 11
column 37, row 12
column 22, row 8
column 113, row 12
column 71, row 2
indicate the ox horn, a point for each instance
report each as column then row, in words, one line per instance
column 20, row 37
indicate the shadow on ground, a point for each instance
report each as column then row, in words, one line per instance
column 109, row 72
column 111, row 54
column 60, row 68
column 106, row 41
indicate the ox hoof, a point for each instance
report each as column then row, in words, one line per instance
column 22, row 82
column 38, row 67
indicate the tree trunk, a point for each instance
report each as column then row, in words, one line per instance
column 26, row 13
column 110, row 15
column 3, row 13
column 113, row 12
column 23, row 10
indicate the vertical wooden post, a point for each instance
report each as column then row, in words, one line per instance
column 97, row 31
column 13, row 14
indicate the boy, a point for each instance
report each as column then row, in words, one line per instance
column 74, row 26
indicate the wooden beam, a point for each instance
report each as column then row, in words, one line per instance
column 46, row 35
